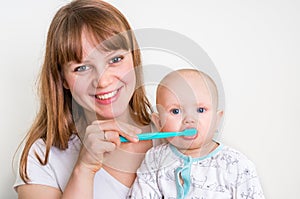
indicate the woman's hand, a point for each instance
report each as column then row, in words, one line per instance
column 102, row 137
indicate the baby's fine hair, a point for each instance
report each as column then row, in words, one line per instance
column 210, row 83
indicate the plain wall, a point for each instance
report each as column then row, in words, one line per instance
column 254, row 45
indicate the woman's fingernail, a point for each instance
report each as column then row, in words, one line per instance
column 136, row 138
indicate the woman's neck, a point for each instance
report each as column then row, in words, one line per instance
column 125, row 117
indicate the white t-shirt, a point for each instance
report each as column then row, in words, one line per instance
column 60, row 166
column 224, row 173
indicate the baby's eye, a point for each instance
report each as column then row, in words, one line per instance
column 175, row 111
column 116, row 59
column 82, row 68
column 201, row 110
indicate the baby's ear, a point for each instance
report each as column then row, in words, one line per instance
column 219, row 116
column 156, row 120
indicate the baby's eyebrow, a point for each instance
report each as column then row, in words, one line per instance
column 202, row 104
column 173, row 106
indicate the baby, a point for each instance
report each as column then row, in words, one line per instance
column 193, row 166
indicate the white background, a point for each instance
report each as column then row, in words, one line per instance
column 254, row 44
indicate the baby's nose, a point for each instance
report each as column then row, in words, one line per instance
column 189, row 119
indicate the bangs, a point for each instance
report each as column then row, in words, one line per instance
column 69, row 44
column 100, row 32
column 121, row 40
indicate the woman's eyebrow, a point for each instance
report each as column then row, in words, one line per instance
column 116, row 52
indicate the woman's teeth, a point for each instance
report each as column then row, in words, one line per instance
column 106, row 96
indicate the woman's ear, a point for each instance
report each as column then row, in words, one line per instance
column 156, row 120
column 65, row 84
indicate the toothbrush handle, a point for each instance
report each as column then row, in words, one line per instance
column 157, row 135
column 150, row 136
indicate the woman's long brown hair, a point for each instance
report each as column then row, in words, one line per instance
column 55, row 121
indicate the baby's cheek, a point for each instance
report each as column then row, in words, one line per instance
column 174, row 140
column 172, row 124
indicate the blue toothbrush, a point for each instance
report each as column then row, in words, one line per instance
column 157, row 135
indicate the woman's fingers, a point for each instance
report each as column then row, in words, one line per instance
column 102, row 137
column 126, row 130
column 97, row 142
column 112, row 136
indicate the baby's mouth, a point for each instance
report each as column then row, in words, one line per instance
column 192, row 137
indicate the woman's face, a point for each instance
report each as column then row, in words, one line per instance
column 103, row 83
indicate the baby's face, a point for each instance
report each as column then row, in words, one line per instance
column 187, row 102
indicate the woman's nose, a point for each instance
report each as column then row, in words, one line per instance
column 103, row 79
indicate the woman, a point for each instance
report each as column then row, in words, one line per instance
column 91, row 92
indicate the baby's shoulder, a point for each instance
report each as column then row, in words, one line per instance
column 159, row 148
column 157, row 157
column 230, row 157
column 235, row 165
column 158, row 151
column 232, row 153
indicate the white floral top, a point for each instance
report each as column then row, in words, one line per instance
column 224, row 173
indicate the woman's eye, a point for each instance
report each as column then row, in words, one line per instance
column 201, row 110
column 116, row 59
column 81, row 68
column 175, row 111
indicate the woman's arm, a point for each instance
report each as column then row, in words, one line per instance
column 33, row 191
column 81, row 184
column 100, row 137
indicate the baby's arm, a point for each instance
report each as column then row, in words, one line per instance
column 146, row 182
column 248, row 185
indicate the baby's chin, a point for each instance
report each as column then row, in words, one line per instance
column 182, row 143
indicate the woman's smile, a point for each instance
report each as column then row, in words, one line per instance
column 108, row 97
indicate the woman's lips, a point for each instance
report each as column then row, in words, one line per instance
column 107, row 97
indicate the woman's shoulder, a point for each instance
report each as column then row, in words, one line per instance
column 73, row 143
column 39, row 148
column 58, row 168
